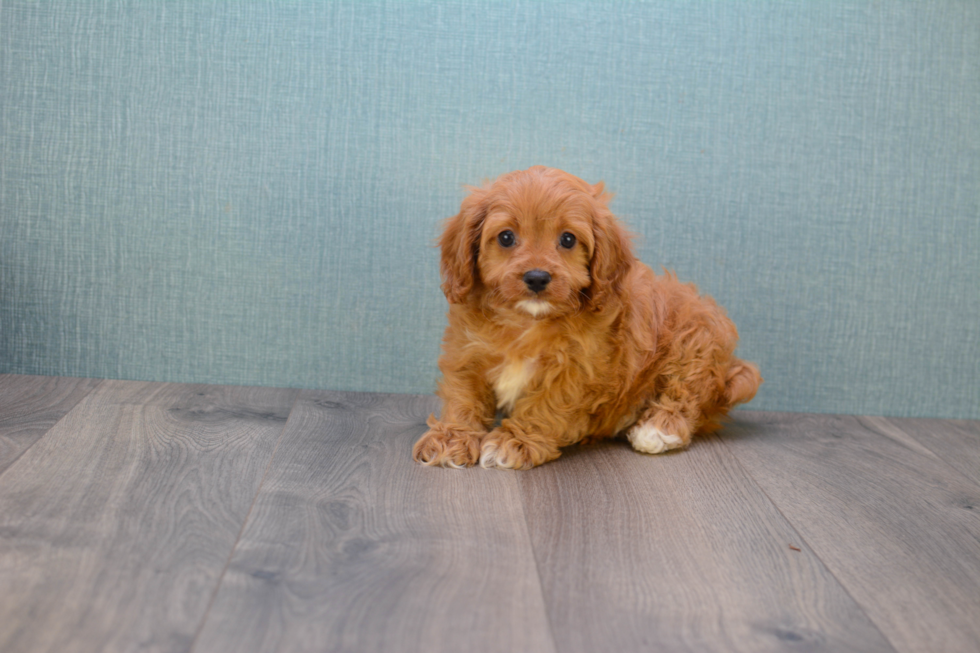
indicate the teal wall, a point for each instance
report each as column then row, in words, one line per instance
column 247, row 193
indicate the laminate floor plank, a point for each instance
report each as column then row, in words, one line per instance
column 30, row 406
column 896, row 524
column 678, row 552
column 957, row 442
column 116, row 525
column 351, row 546
column 172, row 517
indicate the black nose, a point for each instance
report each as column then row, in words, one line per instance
column 536, row 280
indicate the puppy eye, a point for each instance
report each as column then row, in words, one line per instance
column 506, row 238
column 567, row 240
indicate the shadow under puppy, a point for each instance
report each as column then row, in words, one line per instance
column 554, row 322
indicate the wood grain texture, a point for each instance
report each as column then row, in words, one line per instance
column 896, row 524
column 116, row 525
column 678, row 552
column 119, row 519
column 30, row 405
column 957, row 442
column 351, row 546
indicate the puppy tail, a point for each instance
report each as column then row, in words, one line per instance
column 742, row 382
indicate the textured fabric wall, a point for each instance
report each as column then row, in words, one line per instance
column 248, row 192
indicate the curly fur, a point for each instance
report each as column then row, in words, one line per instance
column 607, row 348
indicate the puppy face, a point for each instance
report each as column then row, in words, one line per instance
column 535, row 248
column 539, row 241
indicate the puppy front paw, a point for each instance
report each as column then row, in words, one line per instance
column 447, row 447
column 507, row 450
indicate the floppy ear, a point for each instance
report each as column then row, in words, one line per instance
column 612, row 256
column 460, row 243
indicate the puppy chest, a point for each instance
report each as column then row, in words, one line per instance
column 512, row 380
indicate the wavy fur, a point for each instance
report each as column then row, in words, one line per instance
column 607, row 348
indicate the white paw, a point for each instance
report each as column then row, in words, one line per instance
column 488, row 455
column 492, row 456
column 649, row 439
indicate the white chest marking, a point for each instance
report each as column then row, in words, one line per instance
column 511, row 382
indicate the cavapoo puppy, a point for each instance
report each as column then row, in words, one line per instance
column 554, row 323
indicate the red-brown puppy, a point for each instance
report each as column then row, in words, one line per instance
column 554, row 322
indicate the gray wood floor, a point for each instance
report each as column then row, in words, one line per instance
column 167, row 517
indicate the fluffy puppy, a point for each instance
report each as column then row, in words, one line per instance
column 554, row 323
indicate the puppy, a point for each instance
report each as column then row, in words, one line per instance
column 554, row 323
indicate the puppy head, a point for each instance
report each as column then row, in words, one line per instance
column 539, row 241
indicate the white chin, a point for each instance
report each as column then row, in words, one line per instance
column 536, row 307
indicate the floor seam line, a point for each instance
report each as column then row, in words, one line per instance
column 241, row 531
column 534, row 556
column 803, row 540
column 59, row 421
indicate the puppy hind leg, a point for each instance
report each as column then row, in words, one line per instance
column 667, row 424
